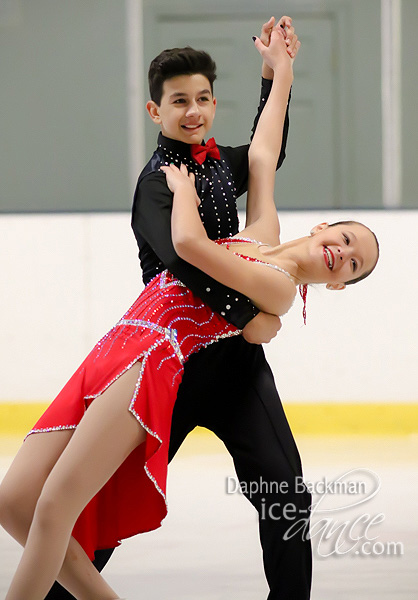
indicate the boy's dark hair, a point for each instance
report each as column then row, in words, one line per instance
column 178, row 61
column 357, row 279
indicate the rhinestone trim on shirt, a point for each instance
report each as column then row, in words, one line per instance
column 212, row 173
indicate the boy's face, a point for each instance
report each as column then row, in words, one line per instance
column 187, row 108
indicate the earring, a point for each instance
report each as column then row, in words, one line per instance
column 311, row 232
column 303, row 291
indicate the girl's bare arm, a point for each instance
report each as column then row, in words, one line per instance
column 270, row 290
column 266, row 144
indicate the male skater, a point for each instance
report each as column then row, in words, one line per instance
column 227, row 387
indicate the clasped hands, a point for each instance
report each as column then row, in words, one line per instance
column 285, row 28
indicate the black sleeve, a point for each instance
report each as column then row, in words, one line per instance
column 238, row 157
column 151, row 221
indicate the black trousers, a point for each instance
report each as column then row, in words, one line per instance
column 228, row 388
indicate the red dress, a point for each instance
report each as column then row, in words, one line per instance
column 165, row 325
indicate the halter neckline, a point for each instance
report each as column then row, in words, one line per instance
column 229, row 241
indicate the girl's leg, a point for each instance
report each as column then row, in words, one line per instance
column 20, row 491
column 106, row 435
column 23, row 482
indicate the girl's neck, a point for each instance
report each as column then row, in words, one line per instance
column 289, row 256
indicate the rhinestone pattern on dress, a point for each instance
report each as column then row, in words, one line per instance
column 162, row 328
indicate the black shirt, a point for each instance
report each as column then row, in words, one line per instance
column 218, row 183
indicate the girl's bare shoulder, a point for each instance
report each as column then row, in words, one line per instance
column 286, row 291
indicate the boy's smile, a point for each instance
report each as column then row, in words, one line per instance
column 187, row 108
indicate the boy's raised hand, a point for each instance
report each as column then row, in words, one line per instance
column 291, row 39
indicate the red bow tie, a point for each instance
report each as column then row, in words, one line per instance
column 199, row 153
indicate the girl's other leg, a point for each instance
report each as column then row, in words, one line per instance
column 20, row 491
column 106, row 435
column 23, row 482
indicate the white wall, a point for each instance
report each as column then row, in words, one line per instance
column 66, row 279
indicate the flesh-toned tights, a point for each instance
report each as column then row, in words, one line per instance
column 51, row 480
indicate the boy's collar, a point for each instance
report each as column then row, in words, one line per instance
column 167, row 143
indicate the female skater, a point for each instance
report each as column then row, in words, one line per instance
column 96, row 471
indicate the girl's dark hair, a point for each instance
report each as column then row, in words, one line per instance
column 357, row 279
column 178, row 61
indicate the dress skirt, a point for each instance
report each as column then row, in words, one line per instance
column 165, row 325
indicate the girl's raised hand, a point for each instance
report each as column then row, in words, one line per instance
column 284, row 27
column 275, row 55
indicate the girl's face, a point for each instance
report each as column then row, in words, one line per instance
column 341, row 253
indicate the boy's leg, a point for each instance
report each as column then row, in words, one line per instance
column 239, row 402
column 274, row 489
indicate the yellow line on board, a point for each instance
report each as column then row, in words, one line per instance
column 365, row 418
column 313, row 419
column 19, row 417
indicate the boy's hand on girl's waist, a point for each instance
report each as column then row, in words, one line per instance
column 262, row 329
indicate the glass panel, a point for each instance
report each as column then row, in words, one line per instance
column 63, row 143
